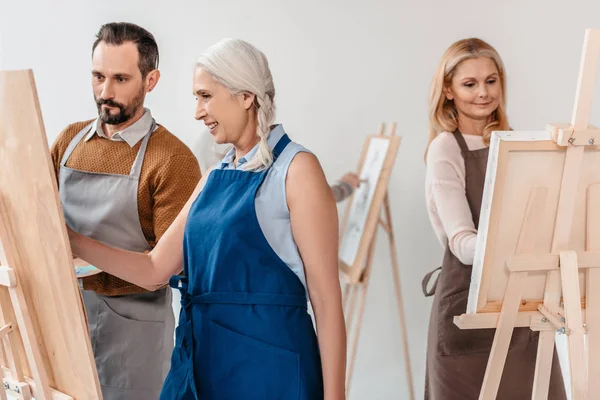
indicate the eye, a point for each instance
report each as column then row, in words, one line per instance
column 121, row 79
column 469, row 84
column 492, row 81
column 206, row 96
column 98, row 77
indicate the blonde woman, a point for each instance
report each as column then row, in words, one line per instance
column 467, row 102
column 257, row 237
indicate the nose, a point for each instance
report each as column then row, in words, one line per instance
column 200, row 111
column 107, row 91
column 483, row 91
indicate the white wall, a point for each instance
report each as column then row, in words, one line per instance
column 340, row 67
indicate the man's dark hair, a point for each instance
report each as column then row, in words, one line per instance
column 117, row 33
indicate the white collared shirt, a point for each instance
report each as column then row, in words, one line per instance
column 132, row 134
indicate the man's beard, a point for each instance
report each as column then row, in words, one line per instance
column 126, row 112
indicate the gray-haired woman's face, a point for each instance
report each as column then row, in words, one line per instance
column 225, row 115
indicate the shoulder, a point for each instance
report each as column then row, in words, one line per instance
column 291, row 151
column 167, row 157
column 165, row 144
column 304, row 166
column 443, row 148
column 69, row 132
column 293, row 154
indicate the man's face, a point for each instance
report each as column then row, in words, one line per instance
column 119, row 89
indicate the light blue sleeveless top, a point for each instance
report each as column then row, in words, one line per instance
column 271, row 203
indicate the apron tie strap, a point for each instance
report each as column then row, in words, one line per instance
column 274, row 299
column 181, row 283
column 426, row 280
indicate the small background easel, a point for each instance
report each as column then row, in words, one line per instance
column 557, row 247
column 358, row 273
column 45, row 347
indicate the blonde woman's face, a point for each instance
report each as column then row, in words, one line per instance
column 225, row 115
column 475, row 88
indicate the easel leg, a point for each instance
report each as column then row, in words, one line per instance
column 592, row 316
column 2, row 391
column 30, row 343
column 356, row 335
column 574, row 322
column 345, row 296
column 351, row 292
column 400, row 303
column 362, row 286
column 543, row 365
column 504, row 330
column 592, row 322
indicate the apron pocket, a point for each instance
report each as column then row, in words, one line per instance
column 242, row 367
column 130, row 354
column 456, row 341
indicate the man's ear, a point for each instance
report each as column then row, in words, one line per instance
column 151, row 80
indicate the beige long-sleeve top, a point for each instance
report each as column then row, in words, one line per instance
column 447, row 204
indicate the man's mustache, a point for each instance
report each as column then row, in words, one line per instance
column 109, row 103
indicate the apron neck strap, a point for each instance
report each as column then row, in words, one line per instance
column 74, row 143
column 280, row 146
column 136, row 168
column 461, row 142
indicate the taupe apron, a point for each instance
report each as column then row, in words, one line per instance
column 132, row 335
column 457, row 359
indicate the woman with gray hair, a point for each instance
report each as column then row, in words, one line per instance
column 256, row 239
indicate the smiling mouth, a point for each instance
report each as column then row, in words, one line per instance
column 212, row 126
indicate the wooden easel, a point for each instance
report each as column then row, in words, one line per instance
column 562, row 265
column 16, row 333
column 357, row 277
column 45, row 348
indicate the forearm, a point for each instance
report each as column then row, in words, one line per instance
column 341, row 191
column 331, row 334
column 130, row 266
column 463, row 246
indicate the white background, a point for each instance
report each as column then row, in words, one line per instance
column 340, row 69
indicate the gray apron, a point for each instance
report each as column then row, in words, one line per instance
column 132, row 335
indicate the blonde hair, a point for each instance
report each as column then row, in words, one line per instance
column 443, row 116
column 242, row 68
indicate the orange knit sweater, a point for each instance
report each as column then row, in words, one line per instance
column 170, row 173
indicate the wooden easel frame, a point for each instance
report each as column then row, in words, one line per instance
column 45, row 348
column 562, row 265
column 16, row 332
column 358, row 277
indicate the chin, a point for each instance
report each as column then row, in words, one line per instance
column 219, row 140
column 482, row 114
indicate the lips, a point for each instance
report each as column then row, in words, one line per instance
column 211, row 125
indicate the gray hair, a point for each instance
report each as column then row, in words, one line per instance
column 241, row 67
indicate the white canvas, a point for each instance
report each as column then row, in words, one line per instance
column 486, row 203
column 361, row 201
column 535, row 161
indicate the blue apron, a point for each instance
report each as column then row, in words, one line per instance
column 244, row 331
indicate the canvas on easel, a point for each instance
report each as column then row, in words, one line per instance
column 358, row 235
column 539, row 244
column 45, row 348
